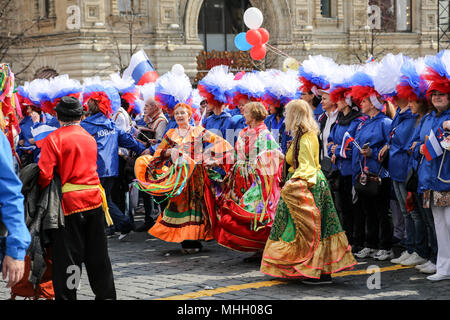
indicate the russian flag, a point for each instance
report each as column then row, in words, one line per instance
column 346, row 140
column 371, row 59
column 141, row 69
column 432, row 147
column 40, row 132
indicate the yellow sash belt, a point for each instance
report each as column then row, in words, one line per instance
column 68, row 187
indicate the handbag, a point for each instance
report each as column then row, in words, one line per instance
column 368, row 184
column 441, row 198
column 412, row 179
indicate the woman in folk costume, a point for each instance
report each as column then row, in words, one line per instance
column 189, row 215
column 434, row 145
column 251, row 187
column 306, row 240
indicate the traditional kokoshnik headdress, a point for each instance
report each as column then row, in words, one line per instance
column 105, row 94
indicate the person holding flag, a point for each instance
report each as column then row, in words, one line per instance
column 434, row 176
column 340, row 148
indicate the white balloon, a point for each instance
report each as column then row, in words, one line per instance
column 178, row 69
column 253, row 18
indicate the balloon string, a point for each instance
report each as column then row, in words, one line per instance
column 277, row 51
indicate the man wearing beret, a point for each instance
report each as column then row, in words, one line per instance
column 71, row 152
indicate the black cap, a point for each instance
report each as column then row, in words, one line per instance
column 69, row 107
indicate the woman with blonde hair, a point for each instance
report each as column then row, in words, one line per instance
column 306, row 240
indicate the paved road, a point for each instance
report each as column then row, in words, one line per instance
column 146, row 268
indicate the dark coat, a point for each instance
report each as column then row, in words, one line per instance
column 43, row 212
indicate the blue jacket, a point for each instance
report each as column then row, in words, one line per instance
column 278, row 130
column 374, row 131
column 344, row 124
column 219, row 124
column 401, row 128
column 233, row 112
column 428, row 173
column 109, row 138
column 11, row 204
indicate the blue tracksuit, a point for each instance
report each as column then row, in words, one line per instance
column 374, row 131
column 344, row 164
column 11, row 204
column 428, row 173
column 278, row 130
column 109, row 138
column 401, row 128
column 219, row 124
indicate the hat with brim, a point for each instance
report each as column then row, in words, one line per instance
column 69, row 107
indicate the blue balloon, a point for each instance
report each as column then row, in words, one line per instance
column 241, row 43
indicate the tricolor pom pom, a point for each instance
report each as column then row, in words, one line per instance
column 147, row 91
column 411, row 86
column 217, row 86
column 313, row 73
column 173, row 88
column 106, row 95
column 437, row 72
column 387, row 74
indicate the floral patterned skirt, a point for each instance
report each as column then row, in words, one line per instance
column 306, row 239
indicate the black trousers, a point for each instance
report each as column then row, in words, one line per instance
column 347, row 207
column 378, row 223
column 82, row 240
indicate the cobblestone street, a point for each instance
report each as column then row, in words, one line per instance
column 146, row 268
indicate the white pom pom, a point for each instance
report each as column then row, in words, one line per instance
column 178, row 69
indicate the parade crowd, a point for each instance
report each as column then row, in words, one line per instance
column 307, row 169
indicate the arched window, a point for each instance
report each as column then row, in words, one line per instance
column 219, row 22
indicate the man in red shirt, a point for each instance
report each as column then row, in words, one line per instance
column 71, row 153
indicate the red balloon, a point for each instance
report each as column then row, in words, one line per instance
column 253, row 37
column 258, row 52
column 264, row 35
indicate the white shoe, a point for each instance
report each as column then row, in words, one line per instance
column 438, row 277
column 365, row 253
column 413, row 260
column 430, row 269
column 382, row 255
column 404, row 255
column 123, row 235
column 423, row 265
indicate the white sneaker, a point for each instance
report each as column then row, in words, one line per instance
column 423, row 265
column 123, row 235
column 366, row 253
column 430, row 269
column 413, row 260
column 438, row 277
column 404, row 255
column 384, row 255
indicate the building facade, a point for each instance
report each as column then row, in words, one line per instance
column 85, row 38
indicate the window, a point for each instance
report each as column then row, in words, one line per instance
column 220, row 21
column 325, row 7
column 43, row 8
column 126, row 6
column 391, row 15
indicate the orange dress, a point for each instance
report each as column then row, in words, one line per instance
column 190, row 213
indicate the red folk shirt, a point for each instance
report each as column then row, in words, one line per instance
column 72, row 153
